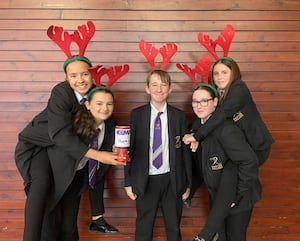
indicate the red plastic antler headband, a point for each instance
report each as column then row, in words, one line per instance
column 203, row 66
column 114, row 73
column 81, row 37
column 150, row 52
column 224, row 41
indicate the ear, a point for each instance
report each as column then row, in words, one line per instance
column 216, row 100
column 170, row 89
column 87, row 104
column 147, row 89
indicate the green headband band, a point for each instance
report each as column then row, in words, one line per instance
column 76, row 58
column 226, row 58
column 102, row 87
column 209, row 86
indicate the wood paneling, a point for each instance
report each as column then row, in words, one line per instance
column 266, row 46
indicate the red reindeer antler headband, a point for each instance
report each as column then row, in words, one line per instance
column 203, row 66
column 224, row 40
column 114, row 73
column 81, row 37
column 167, row 51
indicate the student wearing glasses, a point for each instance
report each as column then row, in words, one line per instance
column 229, row 170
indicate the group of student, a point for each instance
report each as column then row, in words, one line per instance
column 227, row 144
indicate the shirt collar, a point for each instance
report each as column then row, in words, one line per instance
column 153, row 109
column 78, row 96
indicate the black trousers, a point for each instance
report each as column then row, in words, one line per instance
column 158, row 194
column 235, row 227
column 41, row 180
column 96, row 193
column 60, row 224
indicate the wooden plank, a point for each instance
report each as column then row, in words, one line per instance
column 131, row 36
column 127, row 57
column 146, row 15
column 117, row 25
column 155, row 5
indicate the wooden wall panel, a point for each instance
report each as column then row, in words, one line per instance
column 266, row 46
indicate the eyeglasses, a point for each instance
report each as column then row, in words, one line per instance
column 202, row 103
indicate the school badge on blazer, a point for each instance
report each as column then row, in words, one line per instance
column 215, row 163
column 177, row 142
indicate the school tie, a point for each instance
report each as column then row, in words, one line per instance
column 93, row 163
column 221, row 93
column 82, row 101
column 157, row 143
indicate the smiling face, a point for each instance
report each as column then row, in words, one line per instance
column 101, row 106
column 79, row 77
column 203, row 103
column 221, row 75
column 158, row 90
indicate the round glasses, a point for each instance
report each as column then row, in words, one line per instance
column 202, row 103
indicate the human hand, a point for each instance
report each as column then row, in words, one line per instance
column 110, row 158
column 188, row 138
column 129, row 193
column 194, row 146
column 186, row 194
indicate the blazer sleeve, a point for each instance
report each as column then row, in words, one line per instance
column 61, row 107
column 238, row 96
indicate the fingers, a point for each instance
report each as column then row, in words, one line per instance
column 194, row 146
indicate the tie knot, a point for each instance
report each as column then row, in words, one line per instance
column 159, row 114
column 221, row 93
column 82, row 101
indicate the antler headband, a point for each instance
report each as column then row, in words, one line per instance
column 203, row 66
column 81, row 37
column 114, row 73
column 167, row 51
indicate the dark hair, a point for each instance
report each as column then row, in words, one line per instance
column 76, row 58
column 83, row 121
column 209, row 88
column 164, row 76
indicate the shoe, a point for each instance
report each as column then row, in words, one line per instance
column 102, row 227
column 186, row 203
column 198, row 238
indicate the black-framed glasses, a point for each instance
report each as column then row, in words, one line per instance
column 203, row 102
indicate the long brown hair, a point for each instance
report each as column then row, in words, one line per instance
column 235, row 75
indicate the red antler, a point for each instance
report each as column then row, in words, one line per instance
column 149, row 51
column 167, row 51
column 208, row 43
column 116, row 72
column 97, row 72
column 225, row 38
column 61, row 38
column 84, row 37
column 202, row 68
column 188, row 71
